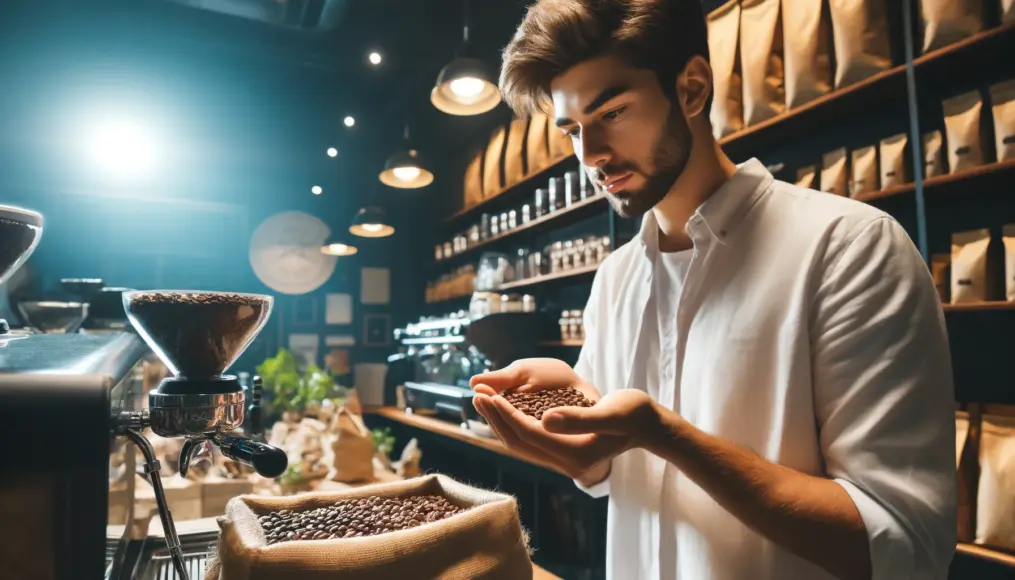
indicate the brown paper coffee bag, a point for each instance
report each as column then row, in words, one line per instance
column 805, row 176
column 860, row 33
column 1007, row 11
column 807, row 51
column 933, row 154
column 353, row 449
column 995, row 501
column 761, row 60
column 892, row 153
column 493, row 179
column 1008, row 239
column 537, row 150
column 834, row 172
column 514, row 152
column 939, row 264
column 969, row 266
column 727, row 114
column 1002, row 101
column 865, row 171
column 962, row 128
column 948, row 21
column 965, row 463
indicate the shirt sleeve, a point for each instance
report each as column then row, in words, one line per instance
column 585, row 368
column 884, row 400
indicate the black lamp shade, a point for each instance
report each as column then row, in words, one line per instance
column 465, row 87
column 405, row 170
column 371, row 222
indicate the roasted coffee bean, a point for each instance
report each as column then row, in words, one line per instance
column 536, row 403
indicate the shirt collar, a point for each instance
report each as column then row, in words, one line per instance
column 722, row 212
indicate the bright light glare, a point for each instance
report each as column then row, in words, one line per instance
column 349, row 121
column 406, row 173
column 467, row 87
column 316, row 190
column 375, row 58
column 338, row 250
column 372, row 227
column 122, row 149
column 332, row 152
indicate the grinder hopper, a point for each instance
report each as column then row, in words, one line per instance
column 20, row 230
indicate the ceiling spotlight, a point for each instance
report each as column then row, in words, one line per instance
column 371, row 222
column 405, row 170
column 332, row 152
column 349, row 121
column 375, row 58
column 316, row 190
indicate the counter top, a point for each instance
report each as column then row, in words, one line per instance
column 454, row 431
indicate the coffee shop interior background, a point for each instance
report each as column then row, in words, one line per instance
column 168, row 144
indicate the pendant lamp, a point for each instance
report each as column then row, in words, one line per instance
column 405, row 170
column 466, row 86
column 337, row 245
column 371, row 222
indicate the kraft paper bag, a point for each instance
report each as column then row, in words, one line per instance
column 860, row 33
column 965, row 472
column 969, row 266
column 473, row 186
column 1007, row 11
column 727, row 114
column 834, row 175
column 892, row 153
column 805, row 176
column 962, row 131
column 939, row 265
column 865, row 171
column 948, row 21
column 995, row 501
column 1002, row 101
column 514, row 152
column 761, row 61
column 537, row 150
column 807, row 50
column 353, row 449
column 933, row 154
column 493, row 182
column 1008, row 238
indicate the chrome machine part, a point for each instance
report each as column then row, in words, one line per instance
column 195, row 415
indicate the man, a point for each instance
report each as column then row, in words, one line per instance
column 770, row 363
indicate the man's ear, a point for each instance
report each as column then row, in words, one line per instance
column 694, row 85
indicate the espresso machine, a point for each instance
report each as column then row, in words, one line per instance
column 20, row 231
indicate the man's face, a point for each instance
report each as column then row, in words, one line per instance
column 630, row 137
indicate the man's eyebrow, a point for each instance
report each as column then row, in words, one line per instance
column 604, row 96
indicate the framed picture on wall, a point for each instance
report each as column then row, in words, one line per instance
column 304, row 311
column 376, row 329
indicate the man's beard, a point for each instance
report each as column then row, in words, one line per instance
column 668, row 162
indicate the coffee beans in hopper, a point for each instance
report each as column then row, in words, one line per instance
column 534, row 403
column 353, row 518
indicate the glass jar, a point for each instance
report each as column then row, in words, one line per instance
column 556, row 252
column 512, row 220
column 555, row 195
column 578, row 257
column 567, row 260
column 603, row 249
column 590, row 245
column 528, row 303
column 494, row 227
column 526, row 213
column 474, row 235
column 438, row 252
column 565, row 325
column 540, row 203
column 537, row 264
column 484, row 226
column 447, row 250
column 572, row 191
column 585, row 187
column 522, row 264
column 510, row 303
column 504, row 222
column 576, row 329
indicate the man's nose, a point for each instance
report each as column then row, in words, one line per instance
column 592, row 149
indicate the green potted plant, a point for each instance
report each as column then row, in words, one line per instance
column 293, row 390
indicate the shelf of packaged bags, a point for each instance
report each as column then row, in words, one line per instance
column 984, row 553
column 576, row 273
column 453, row 431
column 530, row 179
column 562, row 343
column 562, row 217
column 978, row 306
column 989, row 170
column 872, row 89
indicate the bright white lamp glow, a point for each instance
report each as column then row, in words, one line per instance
column 316, row 190
column 349, row 121
column 332, row 152
column 122, row 149
column 375, row 58
column 406, row 173
column 338, row 250
column 373, row 227
column 467, row 87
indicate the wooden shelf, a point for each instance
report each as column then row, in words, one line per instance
column 549, row 278
column 943, row 181
column 564, row 216
column 454, row 431
column 561, row 343
column 978, row 306
column 984, row 553
column 531, row 178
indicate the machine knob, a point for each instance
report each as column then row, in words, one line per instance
column 269, row 461
column 254, row 410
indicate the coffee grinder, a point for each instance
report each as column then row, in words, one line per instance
column 198, row 335
column 20, row 231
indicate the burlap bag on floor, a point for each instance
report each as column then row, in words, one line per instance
column 514, row 152
column 353, row 449
column 484, row 543
column 727, row 114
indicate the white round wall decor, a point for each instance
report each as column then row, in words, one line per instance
column 285, row 253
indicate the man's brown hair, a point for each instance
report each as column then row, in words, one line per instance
column 555, row 35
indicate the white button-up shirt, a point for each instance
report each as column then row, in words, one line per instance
column 809, row 331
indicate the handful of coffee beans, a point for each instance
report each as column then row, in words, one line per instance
column 535, row 403
column 354, row 518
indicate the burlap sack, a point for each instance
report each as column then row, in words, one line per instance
column 860, row 33
column 727, row 114
column 353, row 449
column 969, row 266
column 995, row 498
column 892, row 158
column 493, row 182
column 948, row 21
column 962, row 131
column 761, row 60
column 537, row 150
column 1002, row 104
column 808, row 51
column 484, row 543
column 514, row 152
column 473, row 186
